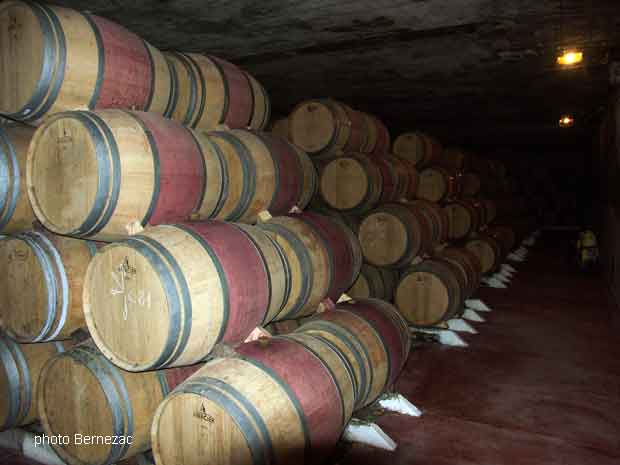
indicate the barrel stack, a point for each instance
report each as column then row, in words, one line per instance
column 178, row 276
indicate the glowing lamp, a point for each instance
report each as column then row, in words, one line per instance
column 569, row 58
column 566, row 121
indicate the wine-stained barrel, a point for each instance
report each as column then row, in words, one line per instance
column 374, row 339
column 16, row 214
column 82, row 395
column 351, row 183
column 165, row 297
column 462, row 219
column 488, row 250
column 468, row 262
column 211, row 91
column 260, row 171
column 429, row 293
column 421, row 149
column 383, row 143
column 277, row 402
column 437, row 217
column 345, row 254
column 396, row 179
column 308, row 261
column 62, row 59
column 97, row 174
column 375, row 282
column 393, row 235
column 261, row 105
column 41, row 289
column 436, row 184
column 20, row 366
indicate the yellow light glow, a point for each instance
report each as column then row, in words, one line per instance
column 566, row 121
column 570, row 58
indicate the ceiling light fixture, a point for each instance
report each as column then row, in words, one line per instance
column 567, row 121
column 570, row 57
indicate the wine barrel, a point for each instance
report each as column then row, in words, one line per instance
column 278, row 402
column 41, row 293
column 436, row 184
column 488, row 250
column 421, row 149
column 350, row 221
column 468, row 262
column 62, row 59
column 375, row 282
column 429, row 293
column 383, row 144
column 371, row 133
column 395, row 178
column 350, row 183
column 261, row 172
column 506, row 237
column 81, row 394
column 20, row 365
column 437, row 218
column 343, row 248
column 320, row 127
column 278, row 328
column 358, row 137
column 372, row 337
column 164, row 298
column 16, row 214
column 308, row 262
column 98, row 174
column 461, row 219
column 412, row 175
column 212, row 91
column 261, row 105
column 490, row 211
column 470, row 184
column 393, row 235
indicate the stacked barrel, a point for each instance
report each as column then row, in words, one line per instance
column 421, row 214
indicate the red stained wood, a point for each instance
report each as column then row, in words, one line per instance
column 128, row 73
column 245, row 274
column 340, row 249
column 310, row 382
column 359, row 132
column 240, row 100
column 290, row 172
column 383, row 138
column 175, row 376
column 181, row 170
column 390, row 334
column 390, row 181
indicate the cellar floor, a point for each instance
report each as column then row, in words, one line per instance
column 539, row 384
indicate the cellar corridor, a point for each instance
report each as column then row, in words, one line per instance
column 539, row 384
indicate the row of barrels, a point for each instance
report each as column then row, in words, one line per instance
column 326, row 127
column 56, row 59
column 167, row 296
column 282, row 399
column 105, row 174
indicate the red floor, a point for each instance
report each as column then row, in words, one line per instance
column 539, row 384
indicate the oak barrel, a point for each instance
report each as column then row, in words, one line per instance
column 470, row 184
column 429, row 293
column 436, row 184
column 488, row 250
column 166, row 297
column 468, row 262
column 375, row 282
column 383, row 143
column 20, row 366
column 437, row 217
column 259, row 171
column 16, row 214
column 57, row 59
column 261, row 105
column 418, row 148
column 308, row 259
column 461, row 219
column 320, row 127
column 98, row 174
column 41, row 292
column 351, row 183
column 81, row 394
column 393, row 235
column 276, row 402
column 343, row 248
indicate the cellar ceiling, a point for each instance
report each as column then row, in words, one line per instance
column 480, row 73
